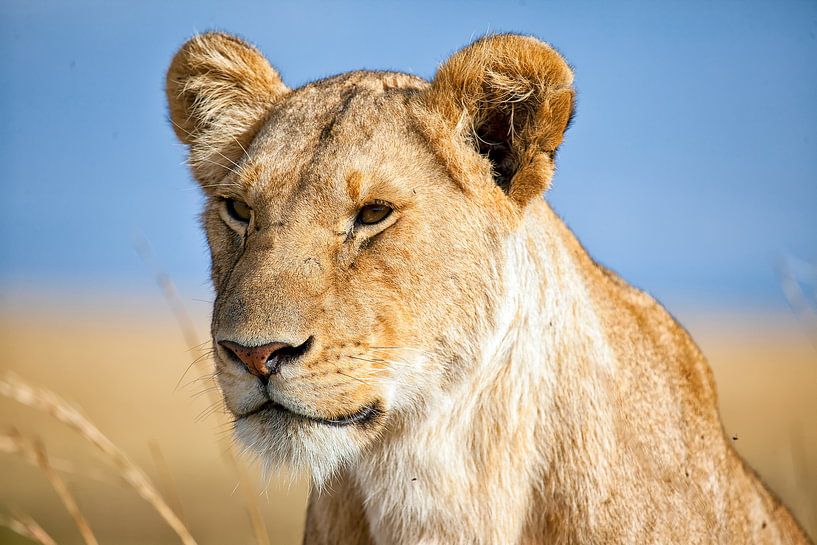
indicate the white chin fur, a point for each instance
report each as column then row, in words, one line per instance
column 315, row 448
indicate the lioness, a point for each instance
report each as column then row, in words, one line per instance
column 400, row 312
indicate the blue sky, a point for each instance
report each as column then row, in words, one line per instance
column 691, row 167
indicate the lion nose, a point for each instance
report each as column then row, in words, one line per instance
column 265, row 360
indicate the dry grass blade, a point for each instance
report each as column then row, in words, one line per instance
column 165, row 474
column 169, row 292
column 27, row 527
column 188, row 331
column 65, row 495
column 801, row 469
column 259, row 529
column 48, row 402
column 13, row 443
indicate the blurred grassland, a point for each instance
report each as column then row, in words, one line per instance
column 121, row 367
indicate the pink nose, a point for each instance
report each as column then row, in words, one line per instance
column 264, row 360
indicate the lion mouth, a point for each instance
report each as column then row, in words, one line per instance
column 362, row 416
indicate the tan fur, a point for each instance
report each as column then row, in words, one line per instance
column 524, row 394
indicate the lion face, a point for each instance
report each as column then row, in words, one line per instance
column 356, row 240
column 354, row 246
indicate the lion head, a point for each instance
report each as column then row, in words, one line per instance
column 356, row 228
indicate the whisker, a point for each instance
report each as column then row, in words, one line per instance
column 217, row 185
column 395, row 363
column 204, row 391
column 378, row 360
column 208, row 160
column 193, row 348
column 360, row 380
column 246, row 153
column 187, row 370
column 424, row 352
column 206, row 413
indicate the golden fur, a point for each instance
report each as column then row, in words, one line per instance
column 517, row 392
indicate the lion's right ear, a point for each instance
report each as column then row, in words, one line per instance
column 219, row 89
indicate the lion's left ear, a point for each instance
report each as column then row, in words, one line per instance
column 508, row 97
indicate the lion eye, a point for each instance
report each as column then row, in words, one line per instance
column 238, row 210
column 373, row 213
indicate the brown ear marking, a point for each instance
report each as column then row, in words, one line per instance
column 510, row 98
column 219, row 89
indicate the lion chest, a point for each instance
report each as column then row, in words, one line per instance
column 436, row 484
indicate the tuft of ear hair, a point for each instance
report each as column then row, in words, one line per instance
column 219, row 90
column 509, row 98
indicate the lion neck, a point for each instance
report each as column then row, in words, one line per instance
column 534, row 403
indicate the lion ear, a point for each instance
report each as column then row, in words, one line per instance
column 510, row 98
column 219, row 89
